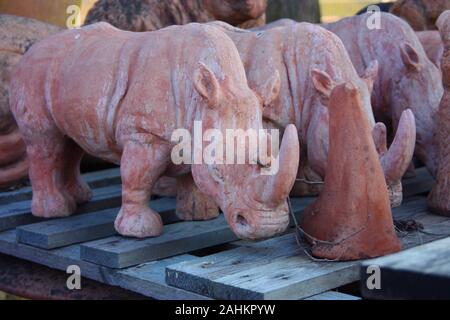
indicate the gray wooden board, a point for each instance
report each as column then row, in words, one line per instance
column 178, row 238
column 279, row 269
column 182, row 237
column 146, row 279
column 95, row 179
column 19, row 213
column 57, row 233
column 422, row 272
column 333, row 295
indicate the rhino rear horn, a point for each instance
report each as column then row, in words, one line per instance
column 396, row 160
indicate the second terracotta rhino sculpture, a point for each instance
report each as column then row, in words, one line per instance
column 311, row 62
column 127, row 104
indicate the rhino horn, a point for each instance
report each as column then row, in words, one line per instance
column 273, row 189
column 396, row 160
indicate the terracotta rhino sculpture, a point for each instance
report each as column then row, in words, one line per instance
column 17, row 34
column 149, row 15
column 407, row 78
column 311, row 62
column 439, row 198
column 69, row 97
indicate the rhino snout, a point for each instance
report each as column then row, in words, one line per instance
column 254, row 225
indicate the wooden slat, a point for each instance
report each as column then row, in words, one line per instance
column 147, row 279
column 178, row 238
column 422, row 272
column 19, row 213
column 279, row 268
column 119, row 252
column 333, row 295
column 53, row 234
column 95, row 179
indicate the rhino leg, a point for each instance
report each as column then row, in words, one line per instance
column 74, row 183
column 193, row 204
column 142, row 164
column 47, row 158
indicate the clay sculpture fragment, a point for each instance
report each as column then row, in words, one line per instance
column 311, row 61
column 17, row 34
column 433, row 46
column 352, row 218
column 69, row 97
column 420, row 14
column 149, row 15
column 439, row 198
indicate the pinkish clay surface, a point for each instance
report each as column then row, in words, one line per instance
column 17, row 34
column 150, row 15
column 311, row 62
column 68, row 98
column 439, row 198
column 352, row 218
column 433, row 46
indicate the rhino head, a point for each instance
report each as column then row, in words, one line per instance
column 236, row 12
column 394, row 160
column 254, row 204
column 417, row 85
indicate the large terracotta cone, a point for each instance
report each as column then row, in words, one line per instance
column 352, row 217
column 439, row 198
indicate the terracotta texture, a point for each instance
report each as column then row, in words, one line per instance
column 17, row 34
column 149, row 15
column 352, row 218
column 433, row 46
column 420, row 14
column 126, row 108
column 406, row 79
column 439, row 198
column 311, row 61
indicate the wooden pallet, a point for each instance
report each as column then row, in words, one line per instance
column 191, row 260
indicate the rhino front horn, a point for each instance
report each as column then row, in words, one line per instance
column 396, row 160
column 275, row 188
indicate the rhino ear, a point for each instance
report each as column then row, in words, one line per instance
column 270, row 90
column 207, row 85
column 410, row 57
column 371, row 74
column 322, row 82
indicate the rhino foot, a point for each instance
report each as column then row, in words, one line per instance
column 52, row 205
column 81, row 192
column 138, row 222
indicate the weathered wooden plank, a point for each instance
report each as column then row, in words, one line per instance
column 333, row 295
column 95, row 179
column 118, row 252
column 422, row 272
column 19, row 213
column 146, row 279
column 178, row 238
column 53, row 234
column 279, row 268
